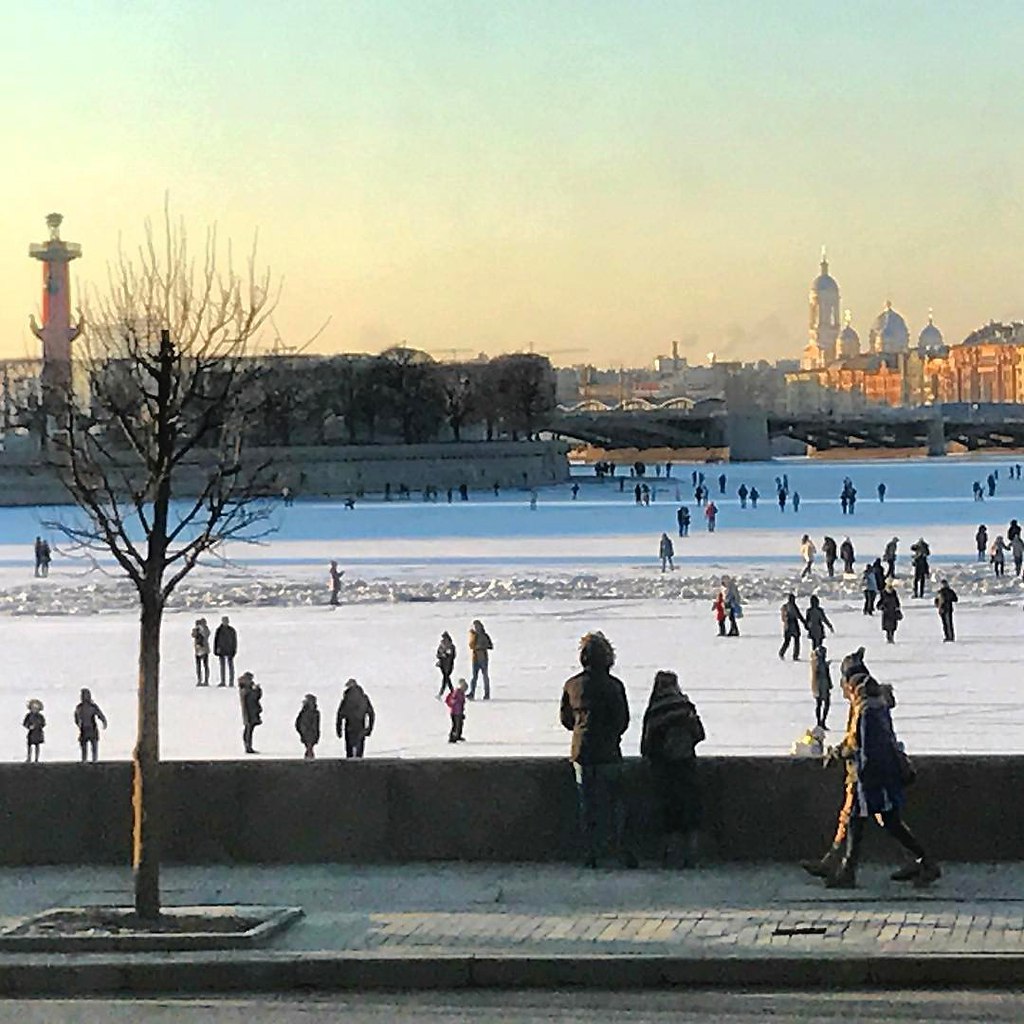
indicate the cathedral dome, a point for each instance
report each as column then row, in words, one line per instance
column 889, row 333
column 848, row 344
column 930, row 337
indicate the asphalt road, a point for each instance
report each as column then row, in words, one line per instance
column 533, row 1008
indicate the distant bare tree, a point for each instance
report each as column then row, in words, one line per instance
column 526, row 384
column 171, row 387
column 459, row 397
column 412, row 386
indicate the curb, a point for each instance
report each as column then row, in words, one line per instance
column 71, row 975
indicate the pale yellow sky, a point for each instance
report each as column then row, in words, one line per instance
column 595, row 180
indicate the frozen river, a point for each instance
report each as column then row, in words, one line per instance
column 538, row 580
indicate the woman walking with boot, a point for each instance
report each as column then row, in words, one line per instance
column 881, row 771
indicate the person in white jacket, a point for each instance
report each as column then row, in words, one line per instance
column 807, row 552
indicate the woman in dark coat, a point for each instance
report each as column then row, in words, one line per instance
column 307, row 725
column 816, row 621
column 671, row 731
column 251, row 695
column 889, row 603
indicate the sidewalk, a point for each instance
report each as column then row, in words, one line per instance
column 452, row 925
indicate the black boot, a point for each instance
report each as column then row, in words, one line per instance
column 824, row 867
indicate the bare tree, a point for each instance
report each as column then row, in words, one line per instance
column 412, row 388
column 157, row 463
column 459, row 395
column 526, row 384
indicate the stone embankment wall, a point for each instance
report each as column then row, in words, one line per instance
column 334, row 471
column 756, row 809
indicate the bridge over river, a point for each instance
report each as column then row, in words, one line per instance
column 747, row 434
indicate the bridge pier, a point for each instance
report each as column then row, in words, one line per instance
column 747, row 436
column 936, row 437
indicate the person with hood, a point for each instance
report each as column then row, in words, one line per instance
column 711, row 514
column 666, row 552
column 870, row 589
column 892, row 613
column 334, row 575
column 88, row 717
column 828, row 551
column 889, row 557
column 920, row 553
column 445, row 662
column 201, row 650
column 816, row 620
column 981, row 541
column 821, row 685
column 594, row 707
column 944, row 601
column 355, row 720
column 225, row 647
column 782, row 496
column 34, row 723
column 733, row 604
column 668, row 743
column 718, row 607
column 480, row 646
column 997, row 554
column 1017, row 550
column 754, row 495
column 742, row 493
column 879, row 571
column 307, row 725
column 250, row 694
column 881, row 493
column 807, row 553
column 847, row 554
column 1013, row 530
column 456, row 701
column 879, row 768
column 792, row 620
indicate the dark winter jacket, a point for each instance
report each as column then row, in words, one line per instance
column 828, row 549
column 595, row 708
column 252, row 704
column 889, row 603
column 981, row 538
column 225, row 641
column 846, row 552
column 672, row 728
column 355, row 712
column 446, row 655
column 945, row 599
column 821, row 677
column 792, row 619
column 35, row 723
column 816, row 621
column 307, row 724
column 87, row 714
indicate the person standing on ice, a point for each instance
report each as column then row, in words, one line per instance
column 816, row 621
column 733, row 604
column 782, row 500
column 711, row 514
column 666, row 551
column 991, row 481
column 944, row 602
column 821, row 685
column 807, row 553
column 334, row 575
column 981, row 541
column 870, row 590
column 637, row 496
column 225, row 647
column 38, row 550
column 998, row 554
column 355, row 719
column 742, row 495
column 718, row 607
column 307, row 725
column 683, row 516
column 1013, row 530
column 847, row 554
column 828, row 550
column 721, row 483
column 201, row 650
column 920, row 552
column 892, row 613
column 796, row 501
column 889, row 557
column 445, row 662
column 881, row 493
column 456, row 701
column 595, row 709
column 250, row 696
column 480, row 646
column 88, row 717
column 792, row 620
column 754, row 495
column 34, row 723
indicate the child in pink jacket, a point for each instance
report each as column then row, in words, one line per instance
column 456, row 701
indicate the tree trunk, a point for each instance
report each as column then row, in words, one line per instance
column 146, row 765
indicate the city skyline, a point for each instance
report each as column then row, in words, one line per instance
column 600, row 181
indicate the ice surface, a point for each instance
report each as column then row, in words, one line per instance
column 538, row 579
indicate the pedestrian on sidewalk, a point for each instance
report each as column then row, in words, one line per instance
column 881, row 770
column 250, row 695
column 225, row 647
column 456, row 701
column 594, row 707
column 666, row 551
column 944, row 602
column 480, row 646
column 88, row 717
column 34, row 723
column 201, row 651
column 307, row 725
column 445, row 662
column 792, row 620
column 355, row 719
column 668, row 743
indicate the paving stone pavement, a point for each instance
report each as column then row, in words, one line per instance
column 421, row 909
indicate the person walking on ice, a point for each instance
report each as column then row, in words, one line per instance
column 307, row 725
column 821, row 685
column 848, row 556
column 711, row 514
column 792, row 620
column 88, row 717
column 892, row 613
column 456, row 701
column 34, row 723
column 816, row 621
column 445, row 662
column 807, row 553
column 981, row 541
column 480, row 646
column 944, row 602
column 666, row 552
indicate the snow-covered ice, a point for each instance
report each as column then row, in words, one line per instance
column 538, row 580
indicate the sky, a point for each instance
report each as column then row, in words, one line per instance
column 593, row 180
